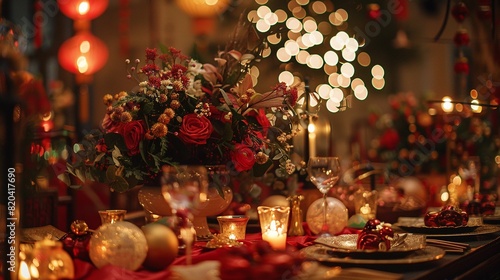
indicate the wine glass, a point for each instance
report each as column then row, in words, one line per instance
column 324, row 172
column 184, row 187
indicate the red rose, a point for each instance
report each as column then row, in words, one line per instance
column 195, row 130
column 243, row 157
column 133, row 133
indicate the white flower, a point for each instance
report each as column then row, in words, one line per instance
column 194, row 88
column 194, row 68
column 116, row 154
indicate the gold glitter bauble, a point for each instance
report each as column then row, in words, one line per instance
column 79, row 227
column 163, row 246
column 336, row 216
column 121, row 244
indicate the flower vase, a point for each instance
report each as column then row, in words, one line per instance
column 219, row 196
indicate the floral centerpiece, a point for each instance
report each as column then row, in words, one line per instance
column 185, row 112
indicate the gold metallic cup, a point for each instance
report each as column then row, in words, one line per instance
column 112, row 216
column 233, row 226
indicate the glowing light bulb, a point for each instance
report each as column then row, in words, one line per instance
column 446, row 105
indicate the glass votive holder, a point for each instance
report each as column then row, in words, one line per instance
column 365, row 204
column 233, row 226
column 274, row 225
column 112, row 216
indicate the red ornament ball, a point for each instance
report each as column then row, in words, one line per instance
column 460, row 11
column 390, row 139
column 461, row 66
column 461, row 38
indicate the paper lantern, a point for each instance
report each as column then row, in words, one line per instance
column 83, row 54
column 82, row 9
column 203, row 8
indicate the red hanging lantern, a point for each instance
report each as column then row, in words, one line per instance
column 83, row 54
column 82, row 9
column 203, row 8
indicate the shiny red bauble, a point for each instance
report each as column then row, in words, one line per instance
column 461, row 38
column 460, row 11
column 461, row 66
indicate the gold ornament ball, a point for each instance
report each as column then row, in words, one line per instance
column 79, row 227
column 276, row 200
column 122, row 244
column 336, row 215
column 163, row 246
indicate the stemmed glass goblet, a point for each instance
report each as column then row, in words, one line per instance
column 184, row 187
column 324, row 172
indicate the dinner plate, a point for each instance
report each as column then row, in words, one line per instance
column 324, row 254
column 491, row 219
column 449, row 232
column 346, row 245
column 416, row 225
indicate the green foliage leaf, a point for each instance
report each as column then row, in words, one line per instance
column 115, row 139
column 260, row 170
column 147, row 108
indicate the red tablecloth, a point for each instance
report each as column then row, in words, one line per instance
column 85, row 270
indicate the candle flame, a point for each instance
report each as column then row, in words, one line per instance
column 24, row 272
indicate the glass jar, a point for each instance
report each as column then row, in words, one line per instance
column 52, row 261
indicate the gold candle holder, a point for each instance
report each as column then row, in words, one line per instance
column 233, row 226
column 274, row 225
column 112, row 216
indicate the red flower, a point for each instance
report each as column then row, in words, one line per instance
column 195, row 130
column 109, row 125
column 293, row 95
column 133, row 133
column 151, row 54
column 262, row 119
column 243, row 157
column 101, row 147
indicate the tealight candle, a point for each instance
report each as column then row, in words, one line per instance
column 365, row 203
column 233, row 226
column 274, row 225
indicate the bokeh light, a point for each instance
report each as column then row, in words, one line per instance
column 312, row 26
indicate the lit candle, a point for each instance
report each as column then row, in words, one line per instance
column 24, row 273
column 233, row 226
column 275, row 236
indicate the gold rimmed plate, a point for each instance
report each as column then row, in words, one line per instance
column 323, row 254
column 417, row 226
column 345, row 245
